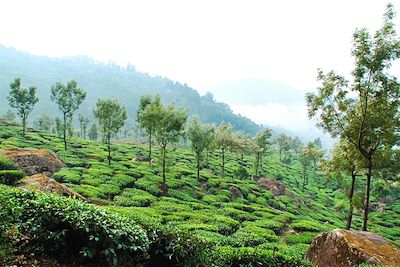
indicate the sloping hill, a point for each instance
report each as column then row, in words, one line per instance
column 235, row 215
column 104, row 81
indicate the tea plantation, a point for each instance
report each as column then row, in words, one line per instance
column 196, row 223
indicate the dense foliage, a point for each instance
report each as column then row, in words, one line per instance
column 63, row 227
column 198, row 221
column 365, row 111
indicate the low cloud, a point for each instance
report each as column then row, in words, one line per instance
column 291, row 117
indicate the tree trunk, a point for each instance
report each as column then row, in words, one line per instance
column 150, row 147
column 207, row 152
column 314, row 167
column 109, row 149
column 164, row 169
column 366, row 197
column 198, row 165
column 280, row 155
column 304, row 177
column 65, row 131
column 23, row 125
column 351, row 207
column 257, row 163
column 223, row 162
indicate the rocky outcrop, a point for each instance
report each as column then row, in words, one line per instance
column 343, row 248
column 42, row 183
column 278, row 188
column 274, row 186
column 39, row 164
column 235, row 192
column 34, row 161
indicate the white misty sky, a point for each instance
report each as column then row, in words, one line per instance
column 203, row 43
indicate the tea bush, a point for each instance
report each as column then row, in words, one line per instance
column 62, row 226
column 9, row 177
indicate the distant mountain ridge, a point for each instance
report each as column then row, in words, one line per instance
column 100, row 80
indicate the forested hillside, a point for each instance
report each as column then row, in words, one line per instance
column 104, row 81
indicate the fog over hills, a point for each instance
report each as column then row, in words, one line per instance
column 272, row 104
column 125, row 84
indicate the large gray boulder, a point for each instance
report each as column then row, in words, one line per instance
column 343, row 248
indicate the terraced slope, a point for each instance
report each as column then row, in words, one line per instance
column 206, row 208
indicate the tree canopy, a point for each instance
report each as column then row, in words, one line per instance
column 364, row 111
column 68, row 97
column 23, row 100
column 111, row 116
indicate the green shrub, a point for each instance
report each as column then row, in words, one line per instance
column 123, row 180
column 304, row 225
column 266, row 223
column 249, row 257
column 133, row 201
column 110, row 190
column 185, row 194
column 165, row 205
column 173, row 247
column 6, row 164
column 214, row 238
column 251, row 197
column 88, row 191
column 253, row 236
column 97, row 170
column 62, row 226
column 261, row 201
column 238, row 215
column 241, row 173
column 93, row 181
column 369, row 265
column 284, row 217
column 149, row 184
column 143, row 216
column 9, row 177
column 215, row 199
column 66, row 175
column 197, row 226
column 301, row 238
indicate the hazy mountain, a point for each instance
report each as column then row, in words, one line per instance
column 276, row 105
column 104, row 81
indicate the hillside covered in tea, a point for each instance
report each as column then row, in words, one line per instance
column 218, row 221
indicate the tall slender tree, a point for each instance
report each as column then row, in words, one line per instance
column 261, row 144
column 170, row 123
column 147, row 115
column 365, row 112
column 43, row 122
column 83, row 123
column 241, row 145
column 93, row 132
column 68, row 97
column 22, row 99
column 283, row 145
column 296, row 145
column 305, row 161
column 345, row 161
column 224, row 141
column 111, row 116
column 201, row 136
